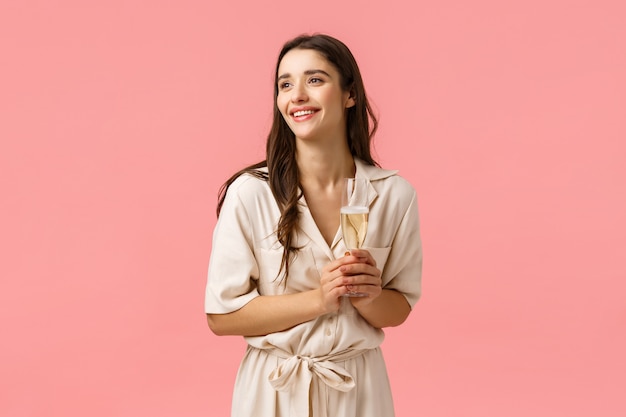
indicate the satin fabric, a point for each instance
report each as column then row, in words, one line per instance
column 279, row 368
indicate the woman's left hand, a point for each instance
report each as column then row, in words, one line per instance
column 362, row 276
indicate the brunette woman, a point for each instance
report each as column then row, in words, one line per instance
column 279, row 274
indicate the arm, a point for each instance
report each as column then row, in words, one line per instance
column 268, row 314
column 389, row 309
column 402, row 276
column 401, row 281
column 382, row 307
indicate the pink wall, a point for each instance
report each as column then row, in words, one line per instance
column 120, row 119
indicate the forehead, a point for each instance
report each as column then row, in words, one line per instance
column 297, row 61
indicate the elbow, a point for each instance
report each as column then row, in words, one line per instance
column 397, row 321
column 214, row 322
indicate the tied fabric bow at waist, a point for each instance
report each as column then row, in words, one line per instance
column 296, row 373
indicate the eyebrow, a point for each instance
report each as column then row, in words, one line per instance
column 307, row 72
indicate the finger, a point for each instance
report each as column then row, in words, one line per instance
column 334, row 280
column 364, row 273
column 345, row 260
column 363, row 280
column 369, row 290
column 359, row 269
column 364, row 256
column 336, row 292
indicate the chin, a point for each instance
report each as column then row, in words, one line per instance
column 303, row 135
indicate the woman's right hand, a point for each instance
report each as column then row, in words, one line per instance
column 331, row 287
column 333, row 282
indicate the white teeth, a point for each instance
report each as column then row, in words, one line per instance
column 302, row 113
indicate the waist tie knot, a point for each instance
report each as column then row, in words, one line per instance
column 295, row 375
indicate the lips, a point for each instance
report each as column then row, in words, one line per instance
column 303, row 113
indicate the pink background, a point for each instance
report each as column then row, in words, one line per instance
column 119, row 120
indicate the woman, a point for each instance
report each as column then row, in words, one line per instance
column 279, row 271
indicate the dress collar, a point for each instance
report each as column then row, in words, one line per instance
column 371, row 172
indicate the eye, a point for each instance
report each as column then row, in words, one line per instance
column 283, row 85
column 316, row 80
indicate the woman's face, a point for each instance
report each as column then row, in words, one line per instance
column 310, row 96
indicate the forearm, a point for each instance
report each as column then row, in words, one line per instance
column 389, row 309
column 268, row 314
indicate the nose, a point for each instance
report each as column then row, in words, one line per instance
column 298, row 94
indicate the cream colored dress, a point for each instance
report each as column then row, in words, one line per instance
column 330, row 366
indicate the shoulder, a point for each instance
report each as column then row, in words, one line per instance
column 388, row 182
column 396, row 183
column 249, row 181
column 249, row 187
column 396, row 189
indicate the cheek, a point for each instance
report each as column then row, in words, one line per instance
column 281, row 103
column 282, row 108
column 332, row 99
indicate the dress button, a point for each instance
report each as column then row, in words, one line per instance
column 328, row 332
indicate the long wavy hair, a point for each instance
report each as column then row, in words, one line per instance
column 282, row 170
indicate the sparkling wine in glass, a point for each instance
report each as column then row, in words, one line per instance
column 354, row 216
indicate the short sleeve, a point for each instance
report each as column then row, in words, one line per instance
column 233, row 270
column 403, row 270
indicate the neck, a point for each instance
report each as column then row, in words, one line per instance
column 324, row 165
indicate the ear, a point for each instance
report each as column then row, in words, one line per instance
column 351, row 101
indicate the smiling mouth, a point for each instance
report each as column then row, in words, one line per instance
column 301, row 113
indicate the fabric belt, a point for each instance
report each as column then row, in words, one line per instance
column 295, row 375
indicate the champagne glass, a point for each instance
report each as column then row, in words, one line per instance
column 354, row 215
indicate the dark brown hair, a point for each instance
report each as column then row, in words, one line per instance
column 283, row 175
